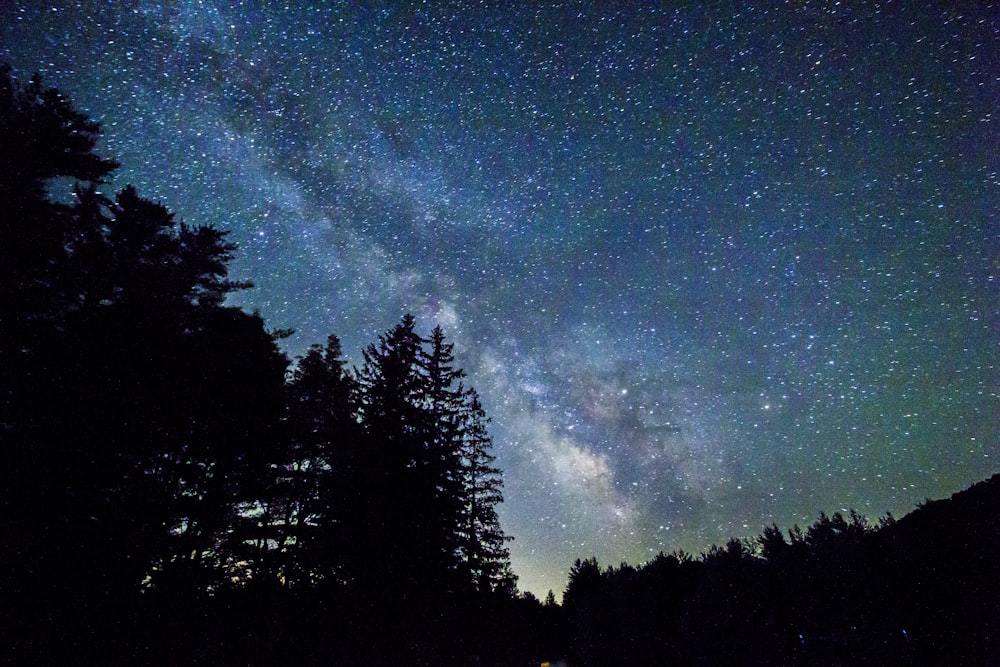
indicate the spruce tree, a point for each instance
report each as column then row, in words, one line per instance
column 395, row 502
column 443, row 401
column 484, row 551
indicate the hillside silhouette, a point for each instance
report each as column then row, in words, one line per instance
column 923, row 590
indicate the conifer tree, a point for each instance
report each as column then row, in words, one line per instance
column 429, row 435
column 485, row 553
column 394, row 506
column 443, row 400
column 42, row 137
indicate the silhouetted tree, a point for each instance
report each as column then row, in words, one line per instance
column 135, row 404
column 396, row 505
column 484, row 544
column 442, row 401
column 222, row 435
column 430, row 435
column 314, row 483
column 43, row 138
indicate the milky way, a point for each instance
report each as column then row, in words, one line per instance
column 709, row 268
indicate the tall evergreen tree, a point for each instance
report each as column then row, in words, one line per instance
column 443, row 401
column 429, row 434
column 395, row 505
column 484, row 544
column 221, row 438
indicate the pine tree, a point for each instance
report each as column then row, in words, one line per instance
column 428, row 433
column 395, row 503
column 219, row 439
column 485, row 553
column 42, row 137
column 443, row 400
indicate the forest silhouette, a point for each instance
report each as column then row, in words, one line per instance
column 176, row 491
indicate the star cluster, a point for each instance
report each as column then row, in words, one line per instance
column 709, row 267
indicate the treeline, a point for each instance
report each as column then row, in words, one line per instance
column 174, row 490
column 923, row 590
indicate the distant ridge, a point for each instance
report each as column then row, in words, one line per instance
column 920, row 590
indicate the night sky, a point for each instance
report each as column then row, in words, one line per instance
column 710, row 268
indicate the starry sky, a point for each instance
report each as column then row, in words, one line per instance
column 710, row 267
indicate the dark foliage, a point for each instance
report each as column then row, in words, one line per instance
column 921, row 590
column 171, row 493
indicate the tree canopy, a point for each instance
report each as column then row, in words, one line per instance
column 163, row 455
